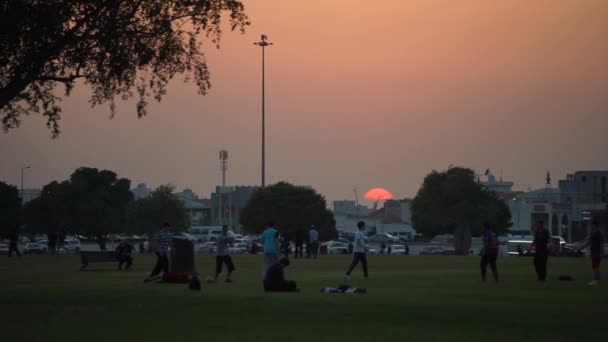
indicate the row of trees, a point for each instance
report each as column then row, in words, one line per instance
column 97, row 203
column 92, row 203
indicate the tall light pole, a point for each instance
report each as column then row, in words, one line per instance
column 263, row 43
column 22, row 169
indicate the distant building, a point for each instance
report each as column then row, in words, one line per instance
column 503, row 189
column 347, row 214
column 30, row 194
column 566, row 210
column 199, row 210
column 394, row 217
column 585, row 187
column 141, row 191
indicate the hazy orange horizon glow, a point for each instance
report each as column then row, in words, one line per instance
column 359, row 94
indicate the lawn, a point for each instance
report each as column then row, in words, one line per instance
column 46, row 298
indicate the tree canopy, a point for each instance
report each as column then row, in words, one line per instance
column 146, row 215
column 10, row 209
column 454, row 202
column 290, row 207
column 91, row 202
column 118, row 48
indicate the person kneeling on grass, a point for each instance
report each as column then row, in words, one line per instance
column 124, row 251
column 274, row 281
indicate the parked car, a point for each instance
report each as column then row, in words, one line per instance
column 238, row 248
column 370, row 250
column 34, row 248
column 397, row 250
column 343, row 240
column 70, row 246
column 242, row 240
column 433, row 250
column 382, row 238
column 213, row 234
column 336, row 247
column 207, row 248
column 3, row 249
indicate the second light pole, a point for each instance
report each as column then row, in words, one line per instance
column 22, row 169
column 263, row 43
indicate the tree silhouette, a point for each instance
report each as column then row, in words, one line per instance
column 291, row 207
column 453, row 202
column 10, row 209
column 146, row 215
column 92, row 203
column 119, row 48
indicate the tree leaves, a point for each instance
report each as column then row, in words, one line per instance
column 116, row 47
column 289, row 207
column 453, row 198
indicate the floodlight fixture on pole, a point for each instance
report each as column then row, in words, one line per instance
column 263, row 43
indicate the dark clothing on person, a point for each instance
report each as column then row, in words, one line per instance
column 124, row 250
column 299, row 244
column 13, row 246
column 541, row 255
column 299, row 251
column 285, row 239
column 128, row 259
column 596, row 242
column 162, row 264
column 489, row 253
column 541, row 240
column 491, row 260
column 359, row 257
column 540, row 265
column 142, row 249
column 274, row 281
column 220, row 260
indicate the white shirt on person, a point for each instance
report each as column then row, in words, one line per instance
column 359, row 244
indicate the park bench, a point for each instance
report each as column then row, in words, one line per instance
column 98, row 256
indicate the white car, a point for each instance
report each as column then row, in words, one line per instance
column 370, row 250
column 382, row 238
column 71, row 245
column 237, row 248
column 397, row 250
column 213, row 234
column 3, row 249
column 335, row 247
column 207, row 248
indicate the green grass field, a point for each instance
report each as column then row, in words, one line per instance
column 45, row 298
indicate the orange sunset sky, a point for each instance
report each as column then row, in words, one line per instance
column 359, row 93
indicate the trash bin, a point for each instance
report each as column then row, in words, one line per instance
column 181, row 262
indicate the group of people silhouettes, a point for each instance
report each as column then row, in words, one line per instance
column 273, row 267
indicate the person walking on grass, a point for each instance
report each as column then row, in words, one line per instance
column 359, row 250
column 164, row 248
column 489, row 252
column 299, row 245
column 13, row 245
column 222, row 256
column 270, row 239
column 542, row 247
column 596, row 243
column 313, row 241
